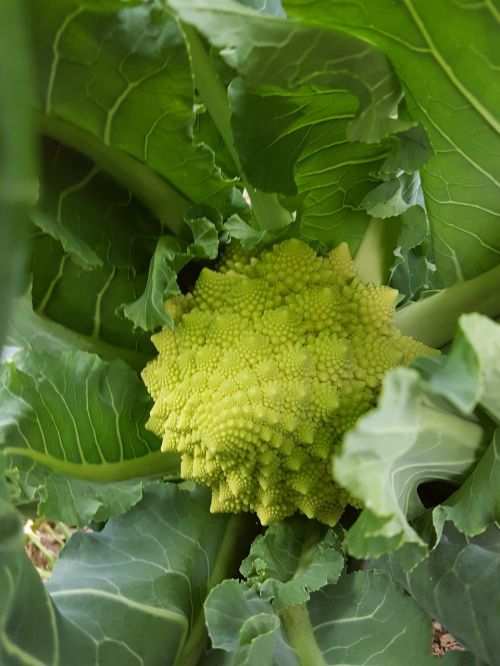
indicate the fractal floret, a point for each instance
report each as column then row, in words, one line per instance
column 271, row 359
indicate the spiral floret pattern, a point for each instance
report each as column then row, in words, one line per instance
column 271, row 359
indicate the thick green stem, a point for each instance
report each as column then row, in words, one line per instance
column 210, row 89
column 313, row 532
column 164, row 201
column 375, row 253
column 239, row 533
column 433, row 320
column 296, row 618
column 301, row 634
column 460, row 428
column 268, row 212
column 152, row 464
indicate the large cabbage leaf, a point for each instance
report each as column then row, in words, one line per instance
column 304, row 612
column 69, row 425
column 425, row 428
column 445, row 56
column 131, row 594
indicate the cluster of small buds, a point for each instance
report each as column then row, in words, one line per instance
column 271, row 359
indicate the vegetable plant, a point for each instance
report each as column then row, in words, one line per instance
column 250, row 261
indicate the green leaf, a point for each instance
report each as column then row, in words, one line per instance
column 38, row 489
column 104, row 6
column 124, row 78
column 148, row 311
column 130, row 594
column 81, row 253
column 288, row 612
column 445, row 59
column 470, row 374
column 397, row 251
column 80, row 417
column 95, row 252
column 411, row 150
column 250, row 237
column 205, row 243
column 32, row 331
column 17, row 170
column 365, row 618
column 459, row 569
column 424, row 430
column 413, row 269
column 266, row 211
column 171, row 254
column 298, row 124
column 393, row 197
column 26, row 638
column 291, row 560
column 405, row 441
column 285, row 142
column 90, row 214
column 271, row 7
column 85, row 302
column 10, row 523
column 300, row 55
column 240, row 622
column 476, row 504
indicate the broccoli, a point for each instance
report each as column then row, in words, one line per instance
column 271, row 359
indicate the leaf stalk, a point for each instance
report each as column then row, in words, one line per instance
column 269, row 214
column 162, row 199
column 239, row 533
column 433, row 320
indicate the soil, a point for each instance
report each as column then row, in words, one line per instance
column 51, row 536
column 443, row 641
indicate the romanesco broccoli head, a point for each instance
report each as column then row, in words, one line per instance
column 272, row 358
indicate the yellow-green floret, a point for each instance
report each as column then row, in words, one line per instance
column 272, row 358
